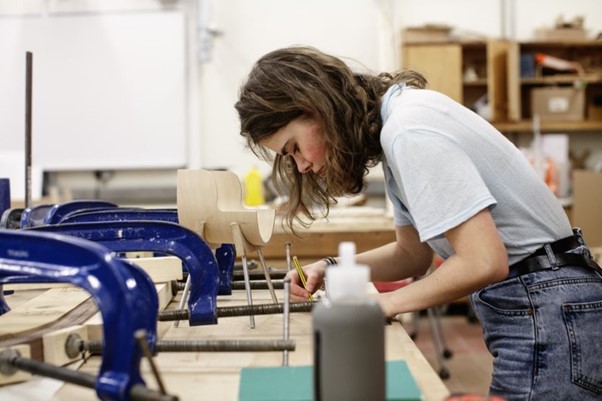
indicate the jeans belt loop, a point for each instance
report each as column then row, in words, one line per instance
column 579, row 234
column 551, row 256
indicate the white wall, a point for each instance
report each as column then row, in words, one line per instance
column 366, row 30
column 253, row 28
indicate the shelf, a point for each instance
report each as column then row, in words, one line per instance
column 520, row 90
column 497, row 67
column 561, row 44
column 550, row 126
column 476, row 82
column 562, row 79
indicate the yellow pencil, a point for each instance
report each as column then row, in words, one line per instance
column 301, row 276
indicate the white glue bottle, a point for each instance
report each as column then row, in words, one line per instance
column 348, row 326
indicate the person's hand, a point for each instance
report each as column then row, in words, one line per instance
column 314, row 274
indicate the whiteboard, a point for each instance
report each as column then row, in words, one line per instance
column 109, row 90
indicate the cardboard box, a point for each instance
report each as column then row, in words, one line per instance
column 558, row 103
column 427, row 34
column 586, row 211
column 561, row 34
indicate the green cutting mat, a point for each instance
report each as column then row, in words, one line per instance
column 295, row 383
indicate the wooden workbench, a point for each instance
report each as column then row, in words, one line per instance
column 367, row 227
column 197, row 376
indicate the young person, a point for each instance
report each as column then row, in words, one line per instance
column 459, row 188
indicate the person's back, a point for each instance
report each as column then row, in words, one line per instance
column 472, row 165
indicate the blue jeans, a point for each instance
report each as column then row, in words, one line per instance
column 544, row 330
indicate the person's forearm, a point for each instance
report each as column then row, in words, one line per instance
column 452, row 280
column 390, row 263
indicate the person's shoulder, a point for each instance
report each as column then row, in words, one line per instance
column 425, row 94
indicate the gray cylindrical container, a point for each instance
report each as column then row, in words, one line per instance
column 349, row 349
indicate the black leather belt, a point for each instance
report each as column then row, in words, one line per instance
column 539, row 260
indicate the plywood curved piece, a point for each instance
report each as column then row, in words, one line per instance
column 210, row 203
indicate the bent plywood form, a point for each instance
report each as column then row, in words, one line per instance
column 210, row 203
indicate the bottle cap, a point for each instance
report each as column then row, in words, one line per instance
column 347, row 279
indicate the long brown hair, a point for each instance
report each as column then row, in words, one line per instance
column 304, row 82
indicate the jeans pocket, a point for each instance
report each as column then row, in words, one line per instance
column 506, row 298
column 583, row 321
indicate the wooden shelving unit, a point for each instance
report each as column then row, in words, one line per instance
column 494, row 68
column 521, row 82
column 465, row 71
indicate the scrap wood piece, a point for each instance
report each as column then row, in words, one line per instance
column 93, row 323
column 160, row 269
column 54, row 309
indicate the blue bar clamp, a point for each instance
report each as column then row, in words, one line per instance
column 61, row 210
column 225, row 254
column 123, row 293
column 164, row 237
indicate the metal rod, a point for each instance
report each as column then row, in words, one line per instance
column 95, row 347
column 184, row 298
column 268, row 278
column 286, row 320
column 140, row 336
column 138, row 392
column 263, row 309
column 240, row 285
column 28, row 114
column 257, row 285
column 245, row 270
column 47, row 370
column 256, row 275
column 287, row 247
column 244, row 310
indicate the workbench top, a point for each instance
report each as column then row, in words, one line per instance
column 197, row 376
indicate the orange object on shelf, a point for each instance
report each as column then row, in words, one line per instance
column 557, row 63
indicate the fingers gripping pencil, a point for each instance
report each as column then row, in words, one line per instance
column 301, row 276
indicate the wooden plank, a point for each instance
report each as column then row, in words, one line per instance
column 318, row 245
column 36, row 286
column 30, row 320
column 93, row 326
column 368, row 227
column 161, row 268
column 41, row 311
column 54, row 345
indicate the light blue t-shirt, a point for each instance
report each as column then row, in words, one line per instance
column 444, row 163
